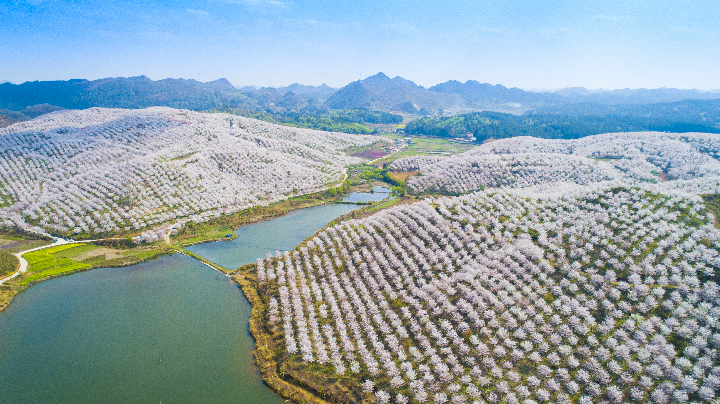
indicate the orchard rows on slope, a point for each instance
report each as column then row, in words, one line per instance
column 106, row 170
column 689, row 160
column 606, row 296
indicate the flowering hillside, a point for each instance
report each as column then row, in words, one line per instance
column 688, row 160
column 594, row 296
column 102, row 170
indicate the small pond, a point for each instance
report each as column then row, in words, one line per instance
column 378, row 194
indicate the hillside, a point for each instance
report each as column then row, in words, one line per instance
column 656, row 161
column 483, row 95
column 119, row 171
column 320, row 93
column 504, row 296
column 696, row 111
column 401, row 95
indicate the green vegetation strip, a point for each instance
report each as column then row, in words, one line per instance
column 266, row 349
column 348, row 121
column 46, row 263
column 496, row 125
column 203, row 260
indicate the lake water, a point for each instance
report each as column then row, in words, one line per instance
column 170, row 330
column 279, row 234
column 378, row 194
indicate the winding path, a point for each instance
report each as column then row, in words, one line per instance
column 23, row 262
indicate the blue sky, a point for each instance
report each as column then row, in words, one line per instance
column 526, row 44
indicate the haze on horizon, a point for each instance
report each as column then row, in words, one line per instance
column 528, row 44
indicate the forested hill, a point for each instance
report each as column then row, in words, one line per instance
column 494, row 125
column 479, row 94
column 698, row 111
column 122, row 92
column 340, row 120
column 294, row 105
column 396, row 94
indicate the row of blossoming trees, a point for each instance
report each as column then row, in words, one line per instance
column 589, row 296
column 102, row 170
column 688, row 160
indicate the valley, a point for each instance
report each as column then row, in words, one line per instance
column 522, row 269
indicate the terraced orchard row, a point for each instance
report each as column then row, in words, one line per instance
column 608, row 296
column 647, row 159
column 112, row 170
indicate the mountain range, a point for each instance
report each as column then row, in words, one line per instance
column 378, row 92
column 320, row 93
column 401, row 95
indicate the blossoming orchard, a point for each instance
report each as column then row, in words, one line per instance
column 690, row 160
column 500, row 297
column 557, row 271
column 107, row 170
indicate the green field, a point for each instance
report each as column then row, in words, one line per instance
column 425, row 146
column 51, row 261
column 75, row 250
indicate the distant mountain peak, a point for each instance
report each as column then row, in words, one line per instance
column 377, row 76
column 381, row 92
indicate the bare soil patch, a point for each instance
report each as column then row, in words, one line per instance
column 402, row 175
column 107, row 252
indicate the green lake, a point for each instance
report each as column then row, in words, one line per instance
column 278, row 234
column 166, row 331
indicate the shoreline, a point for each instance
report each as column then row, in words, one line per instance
column 271, row 370
column 200, row 233
column 17, row 288
column 265, row 358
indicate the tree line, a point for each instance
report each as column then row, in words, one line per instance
column 495, row 125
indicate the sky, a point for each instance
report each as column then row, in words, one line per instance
column 530, row 44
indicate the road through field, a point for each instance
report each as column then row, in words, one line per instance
column 23, row 262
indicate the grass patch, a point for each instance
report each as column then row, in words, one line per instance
column 69, row 258
column 8, row 263
column 75, row 251
column 383, row 205
column 401, row 176
column 50, row 262
column 712, row 203
column 355, row 150
column 60, row 268
column 29, row 245
column 184, row 156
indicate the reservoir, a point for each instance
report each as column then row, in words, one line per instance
column 171, row 330
column 166, row 331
